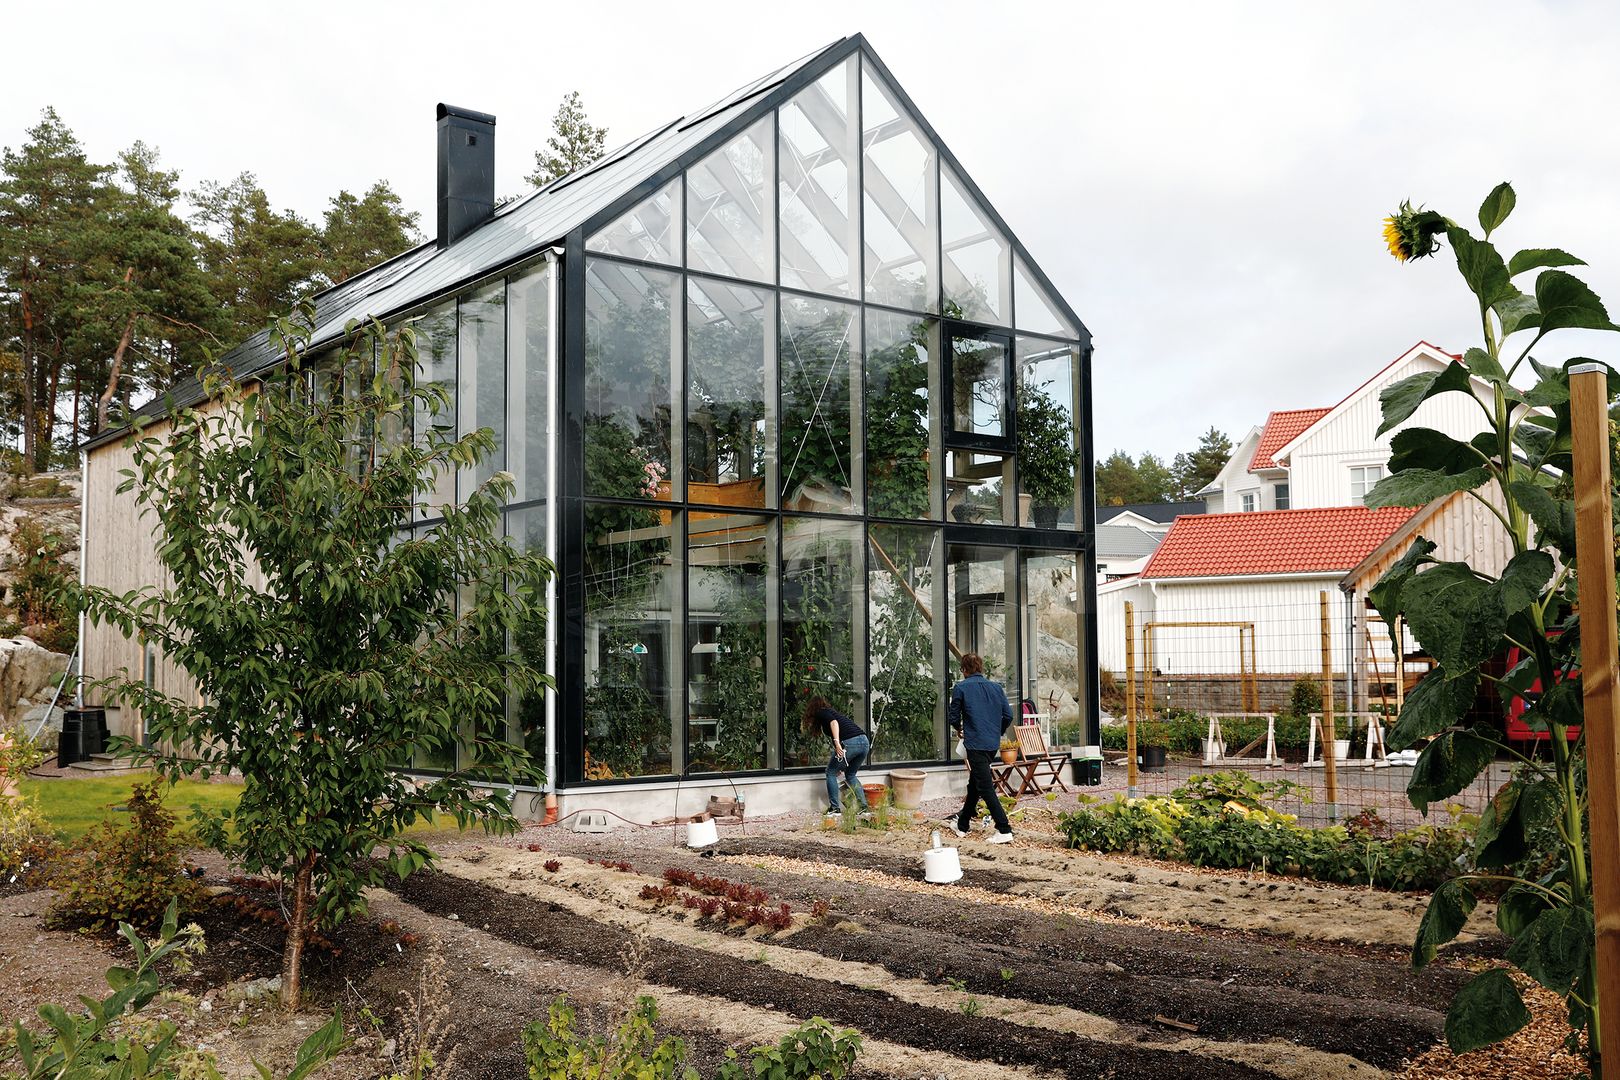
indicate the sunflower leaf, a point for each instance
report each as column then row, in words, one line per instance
column 1567, row 303
column 1496, row 207
column 1531, row 258
column 1401, row 399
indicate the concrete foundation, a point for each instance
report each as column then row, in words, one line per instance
column 764, row 796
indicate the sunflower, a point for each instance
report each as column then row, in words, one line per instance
column 1410, row 233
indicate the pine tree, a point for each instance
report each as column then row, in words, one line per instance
column 48, row 190
column 1194, row 470
column 360, row 232
column 260, row 261
column 574, row 143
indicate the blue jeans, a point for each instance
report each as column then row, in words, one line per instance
column 855, row 751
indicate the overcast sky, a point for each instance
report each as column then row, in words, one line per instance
column 1203, row 181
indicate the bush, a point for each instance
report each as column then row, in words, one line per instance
column 1305, row 698
column 125, row 873
column 40, row 580
column 1203, row 829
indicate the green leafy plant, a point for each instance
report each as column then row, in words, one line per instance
column 814, row 1049
column 1047, row 457
column 1517, row 468
column 1305, row 697
column 125, row 872
column 327, row 643
column 104, row 1043
column 1213, row 791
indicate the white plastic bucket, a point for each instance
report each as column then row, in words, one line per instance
column 941, row 865
column 702, row 834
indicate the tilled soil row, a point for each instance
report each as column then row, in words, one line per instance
column 951, row 945
column 552, row 929
column 1252, row 959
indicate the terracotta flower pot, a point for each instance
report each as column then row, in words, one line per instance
column 1009, row 755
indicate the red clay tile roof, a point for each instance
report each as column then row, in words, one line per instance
column 1280, row 430
column 1325, row 540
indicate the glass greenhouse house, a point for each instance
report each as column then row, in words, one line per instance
column 789, row 405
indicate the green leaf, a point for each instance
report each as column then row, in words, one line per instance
column 1481, row 267
column 1386, row 594
column 1500, row 839
column 1567, row 303
column 1436, row 703
column 1531, row 258
column 1519, row 907
column 1522, row 580
column 1554, row 949
column 1455, row 614
column 1517, row 312
column 1447, row 766
column 1496, row 207
column 1486, row 1010
column 1484, row 365
column 1447, row 914
column 1417, row 487
column 1401, row 399
column 1425, row 448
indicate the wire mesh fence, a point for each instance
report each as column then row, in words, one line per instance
column 1283, row 679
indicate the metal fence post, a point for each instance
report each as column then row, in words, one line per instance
column 1594, row 552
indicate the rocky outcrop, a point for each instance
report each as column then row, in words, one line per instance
column 27, row 677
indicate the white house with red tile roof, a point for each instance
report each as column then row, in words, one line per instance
column 1286, row 525
column 1307, row 458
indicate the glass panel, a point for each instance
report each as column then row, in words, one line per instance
column 436, row 366
column 731, row 359
column 979, row 387
column 902, row 436
column 632, row 347
column 901, row 220
column 907, row 656
column 650, row 231
column 1054, row 636
column 976, row 487
column 528, row 358
column 978, row 269
column 1048, row 433
column 817, row 136
column 730, row 217
column 630, row 585
column 981, row 585
column 728, row 676
column 821, row 631
column 821, row 413
column 526, row 716
column 1033, row 307
column 481, row 389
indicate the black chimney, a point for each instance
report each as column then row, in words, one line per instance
column 466, row 171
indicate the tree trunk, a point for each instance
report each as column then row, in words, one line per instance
column 292, row 957
column 117, row 365
column 30, row 359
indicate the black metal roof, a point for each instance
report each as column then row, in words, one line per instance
column 1164, row 513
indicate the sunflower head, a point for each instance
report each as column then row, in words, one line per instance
column 1410, row 233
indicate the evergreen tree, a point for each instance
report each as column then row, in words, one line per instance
column 574, row 143
column 48, row 190
column 1194, row 470
column 1122, row 479
column 361, row 232
column 259, row 261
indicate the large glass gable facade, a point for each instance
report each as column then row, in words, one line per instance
column 819, row 432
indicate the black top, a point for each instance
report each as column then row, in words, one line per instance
column 847, row 728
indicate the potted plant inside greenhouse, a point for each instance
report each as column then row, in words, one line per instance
column 1046, row 455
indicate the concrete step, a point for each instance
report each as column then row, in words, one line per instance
column 105, row 763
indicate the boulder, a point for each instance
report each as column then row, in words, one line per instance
column 26, row 669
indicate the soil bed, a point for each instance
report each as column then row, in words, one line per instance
column 550, row 929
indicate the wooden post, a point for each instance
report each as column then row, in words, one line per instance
column 1130, row 700
column 1330, row 776
column 1594, row 554
column 1147, row 668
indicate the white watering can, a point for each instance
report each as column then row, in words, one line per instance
column 941, row 865
column 702, row 834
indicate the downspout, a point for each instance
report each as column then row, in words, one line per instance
column 553, row 420
column 84, row 515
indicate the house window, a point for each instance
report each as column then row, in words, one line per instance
column 1362, row 479
column 1249, row 500
column 1280, row 496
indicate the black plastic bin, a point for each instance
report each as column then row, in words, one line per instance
column 91, row 725
column 1087, row 771
column 70, row 743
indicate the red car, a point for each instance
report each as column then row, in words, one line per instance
column 1516, row 729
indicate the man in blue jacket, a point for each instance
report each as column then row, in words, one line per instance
column 980, row 713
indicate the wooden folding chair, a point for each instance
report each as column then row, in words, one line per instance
column 1045, row 767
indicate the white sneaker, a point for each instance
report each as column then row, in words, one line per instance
column 1002, row 838
column 835, row 813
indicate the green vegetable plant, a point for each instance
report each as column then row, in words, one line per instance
column 1517, row 470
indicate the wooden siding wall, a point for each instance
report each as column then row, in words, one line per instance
column 1319, row 468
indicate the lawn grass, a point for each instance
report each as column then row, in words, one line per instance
column 74, row 806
